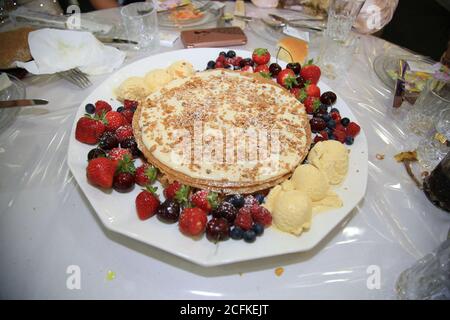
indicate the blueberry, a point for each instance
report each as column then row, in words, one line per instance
column 334, row 110
column 231, row 54
column 249, row 236
column 331, row 124
column 323, row 108
column 329, row 131
column 211, row 65
column 349, row 140
column 258, row 229
column 236, row 233
column 236, row 68
column 237, row 200
column 259, row 197
column 326, row 117
column 120, row 109
column 345, row 121
column 90, row 108
column 222, row 53
column 133, row 109
column 331, row 137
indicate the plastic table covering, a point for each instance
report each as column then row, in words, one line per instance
column 47, row 225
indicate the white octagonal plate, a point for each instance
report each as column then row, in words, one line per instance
column 117, row 211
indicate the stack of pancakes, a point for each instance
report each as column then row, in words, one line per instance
column 222, row 130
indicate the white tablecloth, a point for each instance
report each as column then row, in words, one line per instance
column 47, row 225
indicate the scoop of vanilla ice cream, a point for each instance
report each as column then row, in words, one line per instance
column 331, row 157
column 291, row 209
column 310, row 180
column 132, row 88
column 181, row 69
column 156, row 79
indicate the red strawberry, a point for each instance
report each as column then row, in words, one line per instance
column 171, row 190
column 261, row 215
column 130, row 104
column 128, row 115
column 145, row 174
column 353, row 129
column 318, row 138
column 324, row 134
column 177, row 191
column 310, row 72
column 205, row 200
column 340, row 135
column 100, row 172
column 89, row 130
column 311, row 104
column 339, row 127
column 286, row 78
column 237, row 61
column 261, row 56
column 296, row 92
column 102, row 107
column 124, row 132
column 246, row 68
column 262, row 68
column 244, row 219
column 147, row 203
column 219, row 64
column 117, row 154
column 192, row 221
column 335, row 116
column 312, row 90
column 114, row 120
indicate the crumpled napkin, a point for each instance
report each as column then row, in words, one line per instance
column 59, row 50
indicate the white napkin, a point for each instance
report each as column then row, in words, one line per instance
column 59, row 50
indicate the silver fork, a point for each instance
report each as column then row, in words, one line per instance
column 77, row 77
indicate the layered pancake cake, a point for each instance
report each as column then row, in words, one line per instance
column 223, row 130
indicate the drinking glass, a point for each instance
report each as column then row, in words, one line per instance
column 434, row 98
column 436, row 144
column 337, row 44
column 141, row 25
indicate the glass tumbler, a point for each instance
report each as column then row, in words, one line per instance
column 141, row 25
column 341, row 16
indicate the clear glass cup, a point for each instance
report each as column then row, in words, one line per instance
column 434, row 98
column 141, row 25
column 436, row 144
column 341, row 16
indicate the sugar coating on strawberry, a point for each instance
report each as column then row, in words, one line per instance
column 114, row 120
column 147, row 203
column 261, row 215
column 128, row 115
column 130, row 104
column 145, row 174
column 102, row 107
column 119, row 154
column 193, row 221
column 244, row 219
column 89, row 130
column 310, row 72
column 124, row 132
column 171, row 190
column 353, row 129
column 205, row 200
column 100, row 172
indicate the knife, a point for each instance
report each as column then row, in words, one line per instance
column 400, row 83
column 292, row 24
column 22, row 103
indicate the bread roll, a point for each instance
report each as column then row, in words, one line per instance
column 293, row 50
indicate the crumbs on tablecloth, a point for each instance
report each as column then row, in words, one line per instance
column 424, row 174
column 110, row 275
column 379, row 156
column 406, row 156
column 279, row 271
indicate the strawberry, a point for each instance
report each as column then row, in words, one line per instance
column 324, row 134
column 219, row 64
column 100, row 172
column 261, row 56
column 261, row 215
column 353, row 129
column 114, row 120
column 205, row 200
column 296, row 92
column 102, row 107
column 312, row 90
column 177, row 191
column 246, row 68
column 147, row 203
column 192, row 221
column 339, row 135
column 145, row 174
column 128, row 115
column 262, row 68
column 339, row 127
column 117, row 154
column 124, row 132
column 130, row 104
column 310, row 72
column 237, row 61
column 89, row 130
column 318, row 138
column 335, row 116
column 171, row 190
column 244, row 219
column 311, row 104
column 286, row 78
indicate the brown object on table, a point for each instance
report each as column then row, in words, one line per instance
column 213, row 37
column 14, row 47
